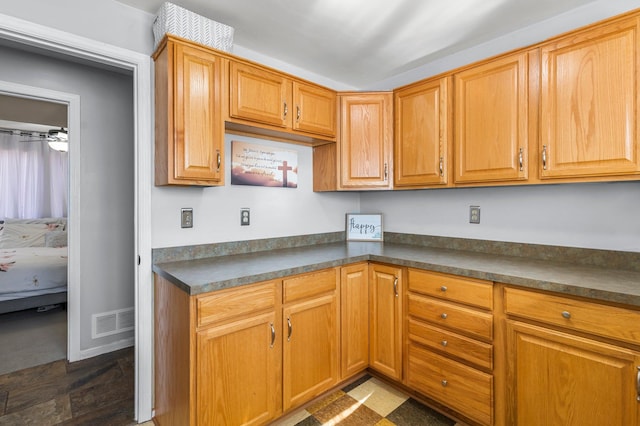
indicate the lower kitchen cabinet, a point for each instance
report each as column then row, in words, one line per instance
column 570, row 361
column 385, row 315
column 354, row 319
column 449, row 345
column 311, row 341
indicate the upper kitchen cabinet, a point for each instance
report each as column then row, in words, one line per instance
column 422, row 134
column 189, row 127
column 491, row 119
column 275, row 104
column 589, row 102
column 362, row 158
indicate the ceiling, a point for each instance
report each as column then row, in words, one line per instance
column 362, row 42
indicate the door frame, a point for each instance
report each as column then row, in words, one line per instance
column 64, row 43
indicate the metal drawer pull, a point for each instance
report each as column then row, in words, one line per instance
column 297, row 113
column 395, row 286
column 444, row 383
column 443, row 288
column 441, row 165
column 218, row 159
column 566, row 314
column 290, row 328
column 544, row 157
column 444, row 343
column 273, row 335
column 638, row 385
column 443, row 316
column 286, row 110
column 520, row 160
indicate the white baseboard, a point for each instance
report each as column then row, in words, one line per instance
column 104, row 349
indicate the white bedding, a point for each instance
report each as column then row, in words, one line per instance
column 30, row 271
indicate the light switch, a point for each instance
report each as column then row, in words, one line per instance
column 186, row 218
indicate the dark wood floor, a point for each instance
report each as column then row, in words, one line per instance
column 95, row 391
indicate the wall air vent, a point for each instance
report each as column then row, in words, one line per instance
column 112, row 322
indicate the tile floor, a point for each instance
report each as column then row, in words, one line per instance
column 366, row 402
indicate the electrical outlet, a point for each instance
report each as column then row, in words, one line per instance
column 245, row 216
column 474, row 214
column 186, row 218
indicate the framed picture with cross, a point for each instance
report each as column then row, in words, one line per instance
column 364, row 227
column 260, row 165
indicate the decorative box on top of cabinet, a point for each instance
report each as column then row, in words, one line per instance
column 189, row 126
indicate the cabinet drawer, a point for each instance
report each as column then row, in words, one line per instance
column 450, row 315
column 456, row 385
column 451, row 287
column 228, row 304
column 303, row 286
column 602, row 320
column 465, row 348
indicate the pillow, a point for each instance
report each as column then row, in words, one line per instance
column 55, row 239
column 17, row 235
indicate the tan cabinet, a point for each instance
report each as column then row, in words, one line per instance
column 354, row 318
column 189, row 148
column 211, row 348
column 450, row 342
column 362, row 157
column 385, row 313
column 565, row 367
column 590, row 102
column 311, row 348
column 491, row 119
column 422, row 134
column 270, row 98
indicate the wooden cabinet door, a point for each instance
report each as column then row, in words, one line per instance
column 189, row 150
column 259, row 95
column 354, row 321
column 238, row 372
column 590, row 102
column 385, row 329
column 422, row 134
column 311, row 349
column 491, row 121
column 365, row 142
column 315, row 109
column 560, row 379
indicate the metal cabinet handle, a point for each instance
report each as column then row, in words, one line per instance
column 566, row 314
column 444, row 343
column 218, row 159
column 297, row 112
column 386, row 172
column 286, row 110
column 444, row 383
column 443, row 288
column 273, row 335
column 395, row 286
column 290, row 329
column 441, row 165
column 544, row 157
column 520, row 160
column 443, row 316
column 638, row 384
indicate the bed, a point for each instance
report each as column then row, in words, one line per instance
column 33, row 263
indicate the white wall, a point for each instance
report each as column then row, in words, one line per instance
column 275, row 212
column 590, row 215
column 107, row 177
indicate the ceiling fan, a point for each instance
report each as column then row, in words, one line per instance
column 58, row 139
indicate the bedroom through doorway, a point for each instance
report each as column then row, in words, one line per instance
column 34, row 205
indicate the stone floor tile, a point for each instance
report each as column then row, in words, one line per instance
column 347, row 411
column 47, row 413
column 413, row 413
column 378, row 396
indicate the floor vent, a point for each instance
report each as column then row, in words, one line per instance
column 113, row 322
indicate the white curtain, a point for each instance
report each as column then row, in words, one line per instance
column 33, row 179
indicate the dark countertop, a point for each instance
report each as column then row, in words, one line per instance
column 214, row 273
